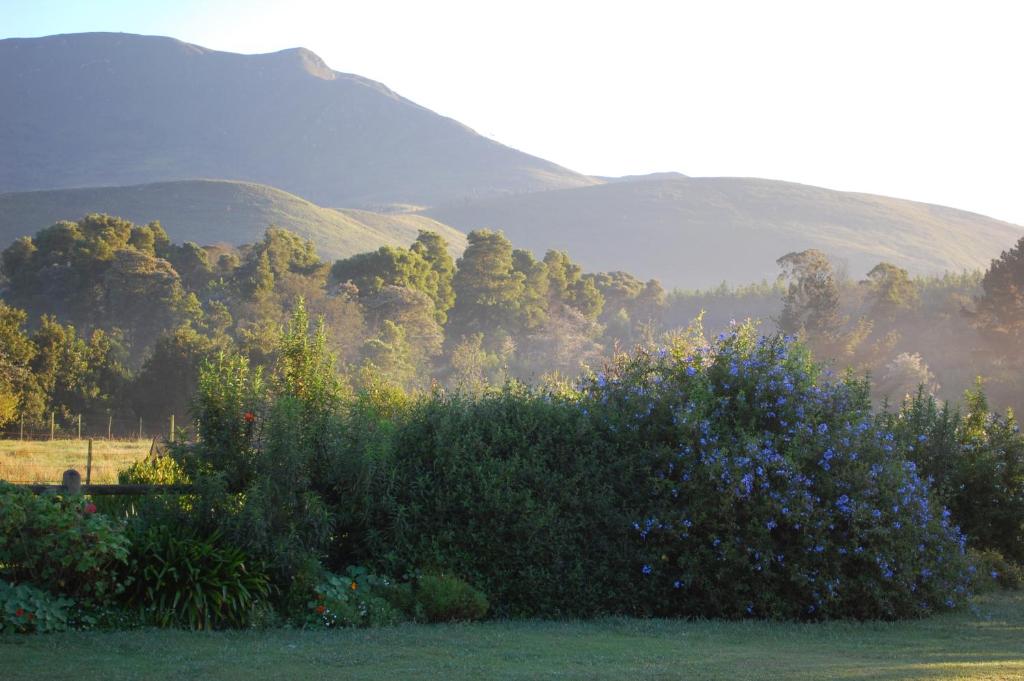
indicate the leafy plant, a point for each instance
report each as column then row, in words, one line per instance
column 355, row 599
column 194, row 582
column 25, row 609
column 61, row 544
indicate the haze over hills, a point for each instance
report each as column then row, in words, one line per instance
column 698, row 232
column 207, row 211
column 99, row 109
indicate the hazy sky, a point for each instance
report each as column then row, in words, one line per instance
column 921, row 100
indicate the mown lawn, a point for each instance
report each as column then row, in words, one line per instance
column 986, row 642
column 35, row 461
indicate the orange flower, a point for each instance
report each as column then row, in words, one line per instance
column 354, row 586
column 320, row 609
column 249, row 417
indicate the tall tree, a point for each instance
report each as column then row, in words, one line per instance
column 488, row 289
column 811, row 302
column 1001, row 305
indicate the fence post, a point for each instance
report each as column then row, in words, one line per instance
column 172, row 427
column 88, row 465
column 21, row 430
column 53, row 424
column 79, row 426
column 140, row 427
column 110, row 425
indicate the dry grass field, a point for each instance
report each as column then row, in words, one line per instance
column 37, row 461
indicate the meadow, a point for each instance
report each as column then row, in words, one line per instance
column 44, row 461
column 985, row 641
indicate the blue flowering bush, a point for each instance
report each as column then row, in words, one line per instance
column 773, row 493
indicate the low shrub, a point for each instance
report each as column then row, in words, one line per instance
column 355, row 599
column 992, row 570
column 25, row 609
column 195, row 582
column 443, row 598
column 60, row 544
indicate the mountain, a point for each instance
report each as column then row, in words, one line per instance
column 207, row 211
column 698, row 232
column 99, row 109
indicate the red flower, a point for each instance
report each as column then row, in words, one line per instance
column 19, row 612
column 89, row 507
column 249, row 417
column 320, row 609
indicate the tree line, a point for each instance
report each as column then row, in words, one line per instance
column 104, row 316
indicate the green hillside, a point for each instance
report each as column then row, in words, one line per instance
column 213, row 211
column 116, row 109
column 698, row 232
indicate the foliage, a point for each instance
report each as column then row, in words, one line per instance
column 25, row 609
column 181, row 579
column 444, row 598
column 991, row 569
column 60, row 544
column 976, row 462
column 517, row 491
column 1001, row 305
column 354, row 599
column 773, row 493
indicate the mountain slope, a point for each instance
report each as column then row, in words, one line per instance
column 99, row 109
column 207, row 211
column 697, row 232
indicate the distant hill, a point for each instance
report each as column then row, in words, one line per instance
column 105, row 109
column 207, row 211
column 698, row 232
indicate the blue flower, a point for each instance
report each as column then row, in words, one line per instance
column 647, row 569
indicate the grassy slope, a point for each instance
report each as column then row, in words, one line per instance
column 209, row 211
column 45, row 461
column 985, row 644
column 697, row 232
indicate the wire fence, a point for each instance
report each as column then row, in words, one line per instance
column 102, row 444
column 90, row 426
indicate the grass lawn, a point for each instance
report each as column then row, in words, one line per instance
column 986, row 642
column 34, row 461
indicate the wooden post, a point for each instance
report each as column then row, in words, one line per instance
column 79, row 426
column 53, row 424
column 72, row 481
column 21, row 430
column 140, row 427
column 172, row 427
column 110, row 425
column 88, row 465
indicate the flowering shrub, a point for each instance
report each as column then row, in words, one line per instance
column 60, row 544
column 773, row 493
column 25, row 609
column 355, row 599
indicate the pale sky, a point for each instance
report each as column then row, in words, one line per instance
column 920, row 100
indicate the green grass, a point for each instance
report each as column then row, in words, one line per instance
column 986, row 642
column 39, row 461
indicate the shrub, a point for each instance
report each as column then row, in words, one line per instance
column 976, row 462
column 992, row 570
column 772, row 491
column 25, row 609
column 194, row 582
column 60, row 544
column 355, row 599
column 517, row 491
column 443, row 598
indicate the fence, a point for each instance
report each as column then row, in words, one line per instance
column 84, row 426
